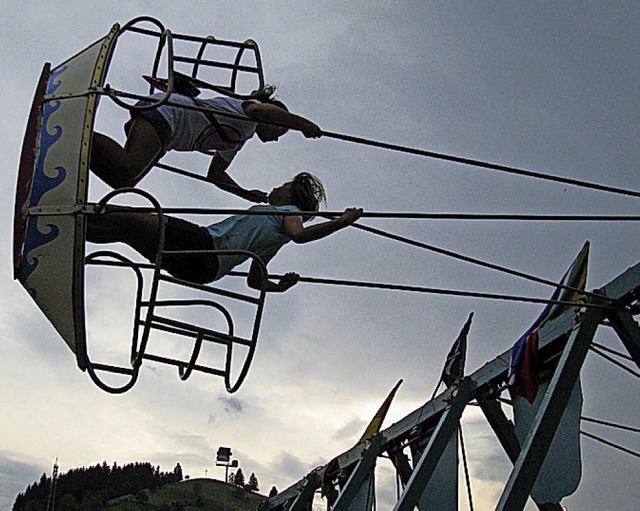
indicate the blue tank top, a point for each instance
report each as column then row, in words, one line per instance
column 263, row 235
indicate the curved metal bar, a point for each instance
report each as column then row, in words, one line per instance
column 156, row 63
column 234, row 74
column 164, row 37
column 256, row 49
column 161, row 39
column 203, row 47
column 141, row 19
column 136, row 268
column 91, row 366
column 157, row 266
column 186, row 372
column 231, row 388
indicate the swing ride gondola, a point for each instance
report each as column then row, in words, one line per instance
column 51, row 207
column 49, row 255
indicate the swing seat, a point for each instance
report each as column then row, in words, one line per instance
column 150, row 320
column 52, row 188
column 150, row 313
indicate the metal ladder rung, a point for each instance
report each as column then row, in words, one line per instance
column 189, row 330
column 113, row 369
column 217, row 64
column 180, row 363
column 213, row 290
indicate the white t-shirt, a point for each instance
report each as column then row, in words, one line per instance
column 192, row 131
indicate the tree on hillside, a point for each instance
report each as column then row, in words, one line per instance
column 253, row 483
column 88, row 488
column 67, row 502
column 273, row 492
column 238, row 479
column 177, row 472
column 90, row 502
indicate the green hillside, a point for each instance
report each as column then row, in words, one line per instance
column 190, row 495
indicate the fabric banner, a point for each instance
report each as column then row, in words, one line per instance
column 527, row 345
column 561, row 471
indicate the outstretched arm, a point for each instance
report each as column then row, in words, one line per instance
column 298, row 233
column 268, row 113
column 218, row 176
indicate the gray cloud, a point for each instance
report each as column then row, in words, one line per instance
column 16, row 473
column 552, row 89
column 289, row 467
column 232, row 405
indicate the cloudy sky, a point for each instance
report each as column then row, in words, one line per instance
column 546, row 86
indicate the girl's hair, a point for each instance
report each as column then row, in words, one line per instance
column 307, row 192
column 268, row 94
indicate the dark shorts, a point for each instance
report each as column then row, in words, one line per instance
column 183, row 235
column 155, row 118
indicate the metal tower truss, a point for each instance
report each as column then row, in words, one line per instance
column 348, row 480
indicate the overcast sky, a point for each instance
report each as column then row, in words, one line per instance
column 551, row 87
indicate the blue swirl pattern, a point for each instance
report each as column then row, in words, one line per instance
column 42, row 183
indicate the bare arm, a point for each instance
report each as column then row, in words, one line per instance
column 218, row 175
column 267, row 113
column 298, row 233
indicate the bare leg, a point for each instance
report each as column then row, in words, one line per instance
column 119, row 166
column 138, row 230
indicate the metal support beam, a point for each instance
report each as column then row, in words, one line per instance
column 506, row 434
column 285, row 499
column 502, row 427
column 524, row 473
column 401, row 463
column 624, row 288
column 361, row 474
column 426, row 465
column 629, row 333
column 304, row 500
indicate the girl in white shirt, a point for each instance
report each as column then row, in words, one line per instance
column 188, row 124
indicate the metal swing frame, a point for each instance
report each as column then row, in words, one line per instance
column 51, row 202
column 148, row 318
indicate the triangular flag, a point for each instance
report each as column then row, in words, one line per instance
column 453, row 370
column 374, row 426
column 527, row 345
column 372, row 429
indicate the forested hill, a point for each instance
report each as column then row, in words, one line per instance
column 91, row 488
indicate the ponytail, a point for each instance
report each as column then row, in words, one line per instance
column 307, row 192
column 267, row 95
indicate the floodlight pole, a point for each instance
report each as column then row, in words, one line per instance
column 223, row 459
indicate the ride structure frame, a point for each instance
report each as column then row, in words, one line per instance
column 348, row 480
